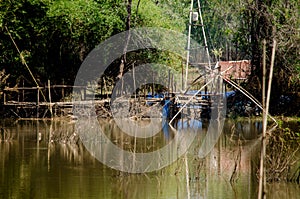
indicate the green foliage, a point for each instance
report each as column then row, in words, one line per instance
column 239, row 27
column 85, row 17
column 76, row 27
column 54, row 36
column 151, row 14
column 282, row 156
column 285, row 22
column 22, row 19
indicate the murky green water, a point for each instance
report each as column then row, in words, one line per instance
column 31, row 166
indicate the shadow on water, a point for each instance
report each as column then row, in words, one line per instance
column 45, row 159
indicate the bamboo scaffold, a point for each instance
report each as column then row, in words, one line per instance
column 215, row 75
column 193, row 16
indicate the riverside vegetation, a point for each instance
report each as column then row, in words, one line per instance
column 54, row 37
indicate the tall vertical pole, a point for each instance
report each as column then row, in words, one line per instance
column 134, row 85
column 4, row 98
column 187, row 176
column 169, row 82
column 50, row 101
column 182, row 76
column 205, row 43
column 188, row 46
column 23, row 92
column 262, row 180
column 153, row 79
column 261, row 172
column 37, row 101
column 63, row 90
column 264, row 77
column 204, row 35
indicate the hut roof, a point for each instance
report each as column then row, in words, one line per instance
column 235, row 69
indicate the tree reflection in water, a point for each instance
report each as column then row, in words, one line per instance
column 36, row 163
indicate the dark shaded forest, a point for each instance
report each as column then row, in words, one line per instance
column 49, row 39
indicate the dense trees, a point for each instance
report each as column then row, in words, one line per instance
column 238, row 27
column 54, row 36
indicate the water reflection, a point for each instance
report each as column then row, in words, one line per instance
column 40, row 160
column 245, row 129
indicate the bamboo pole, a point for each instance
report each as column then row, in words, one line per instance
column 49, row 93
column 262, row 177
column 261, row 173
column 264, row 77
column 187, row 176
column 265, row 116
column 205, row 43
column 23, row 92
column 182, row 74
column 169, row 81
column 38, row 102
column 190, row 99
column 153, row 83
column 4, row 98
column 49, row 147
column 188, row 46
column 105, row 88
column 204, row 35
column 134, row 83
column 172, row 84
column 84, row 93
column 63, row 90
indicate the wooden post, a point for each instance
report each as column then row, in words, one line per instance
column 38, row 96
column 145, row 89
column 204, row 35
column 49, row 147
column 38, row 136
column 105, row 88
column 49, row 93
column 175, row 86
column 84, row 93
column 169, row 81
column 262, row 177
column 23, row 92
column 18, row 96
column 187, row 176
column 264, row 77
column 182, row 78
column 261, row 170
column 63, row 90
column 172, row 83
column 188, row 45
column 38, row 102
column 101, row 91
column 133, row 77
column 153, row 83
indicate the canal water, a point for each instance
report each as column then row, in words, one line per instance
column 43, row 159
